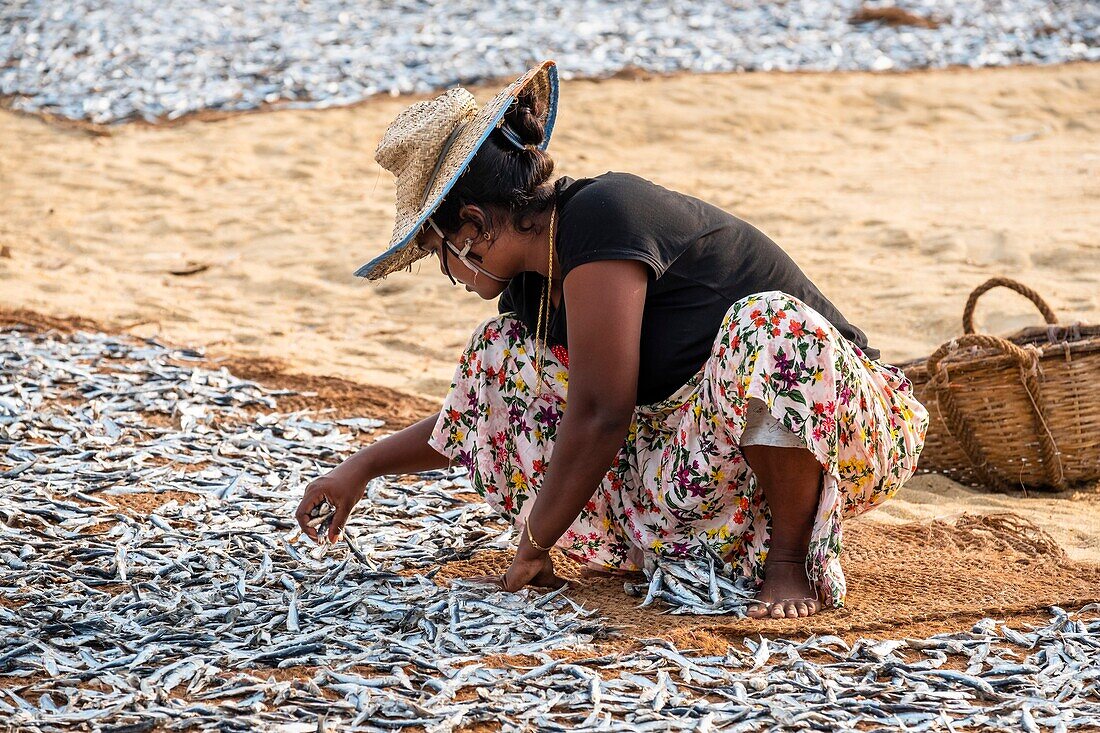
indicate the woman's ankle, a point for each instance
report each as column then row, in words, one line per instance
column 787, row 555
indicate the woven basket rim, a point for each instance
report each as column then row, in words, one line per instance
column 1030, row 336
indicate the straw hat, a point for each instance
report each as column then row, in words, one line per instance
column 430, row 145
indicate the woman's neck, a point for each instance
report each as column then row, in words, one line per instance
column 537, row 245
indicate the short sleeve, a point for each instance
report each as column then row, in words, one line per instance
column 613, row 218
column 614, row 253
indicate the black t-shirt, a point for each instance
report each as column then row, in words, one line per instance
column 701, row 260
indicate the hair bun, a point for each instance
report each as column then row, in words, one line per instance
column 525, row 117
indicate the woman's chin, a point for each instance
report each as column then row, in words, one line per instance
column 491, row 295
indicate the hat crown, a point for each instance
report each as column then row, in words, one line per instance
column 413, row 141
column 412, row 148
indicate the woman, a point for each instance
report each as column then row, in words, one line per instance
column 715, row 396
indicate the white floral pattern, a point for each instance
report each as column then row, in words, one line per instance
column 679, row 479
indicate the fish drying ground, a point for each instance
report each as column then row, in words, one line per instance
column 151, row 579
column 121, row 60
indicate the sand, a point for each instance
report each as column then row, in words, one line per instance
column 896, row 193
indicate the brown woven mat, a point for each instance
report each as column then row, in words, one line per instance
column 903, row 580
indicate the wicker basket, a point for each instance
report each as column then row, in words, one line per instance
column 1016, row 412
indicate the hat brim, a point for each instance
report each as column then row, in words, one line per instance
column 401, row 253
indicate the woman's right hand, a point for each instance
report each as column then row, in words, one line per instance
column 406, row 451
column 342, row 489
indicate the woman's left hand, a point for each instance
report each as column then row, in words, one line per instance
column 529, row 567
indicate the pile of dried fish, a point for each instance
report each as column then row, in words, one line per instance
column 206, row 614
column 73, row 419
column 700, row 586
column 212, row 582
column 127, row 59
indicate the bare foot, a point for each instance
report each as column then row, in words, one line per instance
column 786, row 593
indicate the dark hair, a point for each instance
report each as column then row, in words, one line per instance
column 501, row 178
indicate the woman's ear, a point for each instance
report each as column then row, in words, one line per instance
column 478, row 217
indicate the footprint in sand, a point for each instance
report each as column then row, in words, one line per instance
column 895, row 238
column 889, row 99
column 993, row 247
column 267, row 149
column 943, row 246
column 1067, row 258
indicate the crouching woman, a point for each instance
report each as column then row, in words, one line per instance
column 701, row 391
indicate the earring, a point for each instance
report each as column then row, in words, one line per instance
column 486, row 235
column 468, row 241
column 475, row 277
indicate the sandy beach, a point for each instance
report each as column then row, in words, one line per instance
column 896, row 193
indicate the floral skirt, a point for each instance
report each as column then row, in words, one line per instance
column 679, row 480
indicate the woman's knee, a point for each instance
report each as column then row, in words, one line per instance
column 771, row 315
column 491, row 331
column 492, row 350
column 771, row 306
column 492, row 327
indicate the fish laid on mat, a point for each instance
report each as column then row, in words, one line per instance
column 702, row 586
column 202, row 612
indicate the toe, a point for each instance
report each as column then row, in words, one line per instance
column 792, row 610
column 758, row 610
column 802, row 609
column 777, row 611
column 811, row 608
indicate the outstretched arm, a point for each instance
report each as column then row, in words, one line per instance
column 406, row 451
column 605, row 300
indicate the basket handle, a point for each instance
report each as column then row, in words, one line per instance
column 1027, row 360
column 1004, row 282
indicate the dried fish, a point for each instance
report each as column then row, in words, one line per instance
column 695, row 585
column 122, row 60
column 184, row 618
